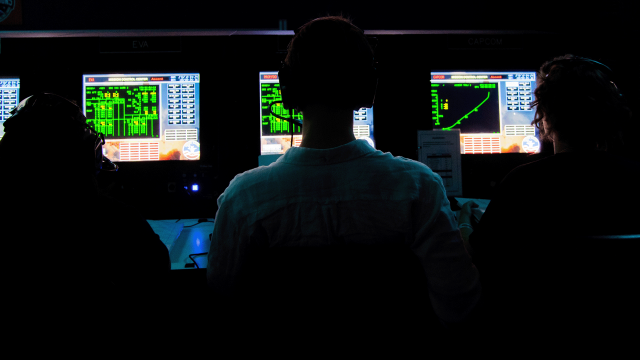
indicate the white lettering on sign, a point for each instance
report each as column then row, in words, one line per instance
column 140, row 44
column 485, row 41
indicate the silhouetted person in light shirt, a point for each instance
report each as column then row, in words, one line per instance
column 334, row 189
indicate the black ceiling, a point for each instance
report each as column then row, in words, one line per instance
column 561, row 15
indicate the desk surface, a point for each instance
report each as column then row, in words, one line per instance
column 184, row 237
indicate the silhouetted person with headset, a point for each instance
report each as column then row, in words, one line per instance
column 72, row 252
column 334, row 189
column 525, row 245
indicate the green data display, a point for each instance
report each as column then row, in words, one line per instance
column 272, row 125
column 471, row 107
column 124, row 112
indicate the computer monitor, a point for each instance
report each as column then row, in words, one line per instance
column 491, row 109
column 275, row 133
column 145, row 116
column 9, row 98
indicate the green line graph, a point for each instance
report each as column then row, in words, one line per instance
column 466, row 116
column 474, row 108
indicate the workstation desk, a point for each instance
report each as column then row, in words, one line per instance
column 188, row 240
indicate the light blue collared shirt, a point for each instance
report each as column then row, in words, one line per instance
column 353, row 192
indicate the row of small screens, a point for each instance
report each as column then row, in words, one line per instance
column 156, row 116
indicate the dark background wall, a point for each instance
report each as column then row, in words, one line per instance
column 395, row 15
column 49, row 57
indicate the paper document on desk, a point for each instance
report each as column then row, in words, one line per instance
column 440, row 151
column 167, row 230
column 476, row 212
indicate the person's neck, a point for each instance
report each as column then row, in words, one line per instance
column 325, row 128
column 561, row 147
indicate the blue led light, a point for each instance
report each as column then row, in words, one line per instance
column 194, row 187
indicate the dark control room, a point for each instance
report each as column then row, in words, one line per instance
column 478, row 171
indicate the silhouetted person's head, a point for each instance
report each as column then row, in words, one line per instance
column 331, row 63
column 578, row 104
column 47, row 144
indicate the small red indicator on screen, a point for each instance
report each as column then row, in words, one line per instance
column 495, row 77
column 438, row 76
column 271, row 76
column 157, row 79
column 91, row 79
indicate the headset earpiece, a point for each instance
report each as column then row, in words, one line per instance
column 289, row 96
column 598, row 65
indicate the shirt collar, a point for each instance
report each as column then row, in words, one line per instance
column 306, row 156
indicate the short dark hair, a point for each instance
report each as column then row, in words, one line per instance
column 329, row 48
column 580, row 104
column 62, row 139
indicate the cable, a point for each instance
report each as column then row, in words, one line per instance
column 199, row 222
column 196, row 264
column 291, row 119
